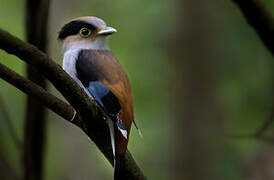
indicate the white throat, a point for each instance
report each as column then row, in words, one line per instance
column 97, row 44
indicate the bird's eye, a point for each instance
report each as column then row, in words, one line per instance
column 85, row 32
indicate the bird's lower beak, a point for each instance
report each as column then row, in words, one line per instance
column 107, row 31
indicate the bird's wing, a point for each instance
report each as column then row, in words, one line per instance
column 105, row 98
column 93, row 70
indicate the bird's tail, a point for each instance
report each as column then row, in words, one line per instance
column 119, row 167
column 138, row 129
column 119, row 160
column 111, row 131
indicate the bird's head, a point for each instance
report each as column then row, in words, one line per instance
column 86, row 32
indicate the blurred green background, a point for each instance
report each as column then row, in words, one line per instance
column 158, row 43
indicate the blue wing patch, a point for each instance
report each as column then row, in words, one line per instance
column 108, row 101
column 105, row 98
column 98, row 91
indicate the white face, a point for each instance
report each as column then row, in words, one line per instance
column 85, row 33
column 79, row 42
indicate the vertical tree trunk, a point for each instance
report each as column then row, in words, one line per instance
column 35, row 125
column 197, row 123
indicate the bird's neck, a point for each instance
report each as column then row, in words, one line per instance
column 96, row 44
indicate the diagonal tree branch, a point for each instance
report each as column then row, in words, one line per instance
column 260, row 19
column 92, row 116
column 35, row 118
column 50, row 101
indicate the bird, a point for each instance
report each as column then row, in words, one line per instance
column 88, row 59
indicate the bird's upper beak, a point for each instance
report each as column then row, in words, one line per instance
column 107, row 31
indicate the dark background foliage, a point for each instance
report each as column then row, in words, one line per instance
column 199, row 74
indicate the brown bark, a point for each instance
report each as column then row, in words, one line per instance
column 92, row 116
column 52, row 102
